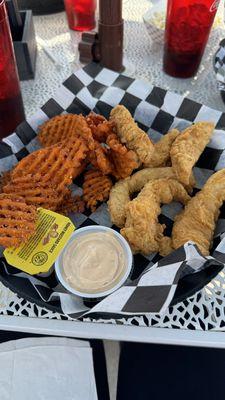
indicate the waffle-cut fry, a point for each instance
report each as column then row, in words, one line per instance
column 63, row 127
column 78, row 171
column 96, row 188
column 17, row 220
column 77, row 150
column 71, row 204
column 57, row 129
column 34, row 191
column 98, row 126
column 124, row 164
column 115, row 144
column 100, row 160
column 4, row 179
column 52, row 163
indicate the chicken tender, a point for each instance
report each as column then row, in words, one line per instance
column 130, row 134
column 187, row 148
column 142, row 229
column 123, row 189
column 198, row 220
column 162, row 149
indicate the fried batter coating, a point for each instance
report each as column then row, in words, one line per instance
column 142, row 229
column 130, row 134
column 118, row 199
column 121, row 192
column 198, row 220
column 187, row 148
column 96, row 188
column 161, row 153
column 17, row 220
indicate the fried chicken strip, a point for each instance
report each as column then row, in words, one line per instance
column 130, row 134
column 187, row 148
column 123, row 189
column 162, row 148
column 142, row 229
column 198, row 220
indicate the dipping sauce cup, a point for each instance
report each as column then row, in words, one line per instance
column 95, row 262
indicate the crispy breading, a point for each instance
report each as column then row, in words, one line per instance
column 130, row 134
column 17, row 220
column 142, row 229
column 187, row 148
column 96, row 188
column 161, row 153
column 198, row 220
column 121, row 192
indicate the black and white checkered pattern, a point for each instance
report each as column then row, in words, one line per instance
column 219, row 66
column 154, row 281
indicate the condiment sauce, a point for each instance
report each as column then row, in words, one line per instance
column 94, row 262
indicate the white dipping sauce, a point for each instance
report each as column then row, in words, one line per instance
column 94, row 262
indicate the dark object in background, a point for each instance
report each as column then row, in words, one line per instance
column 107, row 46
column 15, row 20
column 11, row 104
column 41, row 7
column 26, row 48
column 152, row 371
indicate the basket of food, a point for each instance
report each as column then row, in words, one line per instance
column 139, row 172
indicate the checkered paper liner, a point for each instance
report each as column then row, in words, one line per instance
column 156, row 281
column 219, row 66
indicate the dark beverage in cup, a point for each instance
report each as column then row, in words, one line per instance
column 11, row 105
column 80, row 14
column 188, row 25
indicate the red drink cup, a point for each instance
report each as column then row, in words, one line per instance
column 188, row 25
column 11, row 104
column 81, row 14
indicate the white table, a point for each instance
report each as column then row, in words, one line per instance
column 199, row 320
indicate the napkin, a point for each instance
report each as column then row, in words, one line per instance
column 47, row 369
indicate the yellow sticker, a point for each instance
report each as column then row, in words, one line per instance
column 39, row 253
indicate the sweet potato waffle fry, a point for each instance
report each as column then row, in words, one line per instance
column 77, row 150
column 71, row 204
column 4, row 179
column 52, row 163
column 57, row 129
column 115, row 144
column 33, row 191
column 64, row 127
column 17, row 220
column 96, row 188
column 99, row 158
column 124, row 164
column 98, row 127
